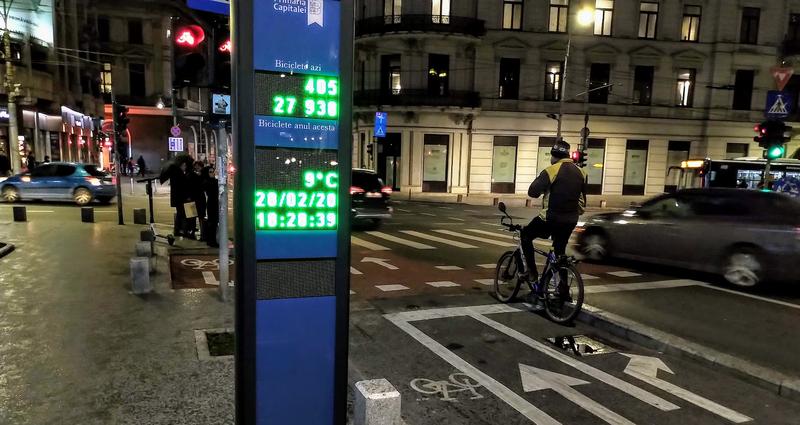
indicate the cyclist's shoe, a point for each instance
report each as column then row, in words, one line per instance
column 535, row 302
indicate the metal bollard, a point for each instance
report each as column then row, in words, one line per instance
column 87, row 214
column 143, row 249
column 377, row 403
column 139, row 216
column 140, row 275
column 20, row 213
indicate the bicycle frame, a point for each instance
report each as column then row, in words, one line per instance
column 549, row 256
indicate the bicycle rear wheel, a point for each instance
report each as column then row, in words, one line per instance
column 506, row 284
column 563, row 293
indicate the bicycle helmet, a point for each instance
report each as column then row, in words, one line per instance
column 560, row 149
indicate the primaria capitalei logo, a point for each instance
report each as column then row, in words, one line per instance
column 313, row 9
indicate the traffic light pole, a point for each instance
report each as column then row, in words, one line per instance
column 120, row 219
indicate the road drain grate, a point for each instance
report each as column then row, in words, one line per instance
column 580, row 345
column 214, row 344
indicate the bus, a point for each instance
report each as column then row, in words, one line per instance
column 743, row 173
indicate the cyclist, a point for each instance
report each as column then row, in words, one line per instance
column 563, row 185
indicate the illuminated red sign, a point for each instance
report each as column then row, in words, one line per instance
column 189, row 36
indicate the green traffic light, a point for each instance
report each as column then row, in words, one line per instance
column 775, row 152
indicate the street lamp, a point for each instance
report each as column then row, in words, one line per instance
column 585, row 18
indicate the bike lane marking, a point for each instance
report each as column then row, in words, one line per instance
column 404, row 321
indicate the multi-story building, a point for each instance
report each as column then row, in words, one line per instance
column 468, row 86
column 57, row 101
column 134, row 44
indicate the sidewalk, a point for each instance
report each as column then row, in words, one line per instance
column 594, row 202
column 79, row 349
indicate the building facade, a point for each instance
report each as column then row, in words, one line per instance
column 468, row 86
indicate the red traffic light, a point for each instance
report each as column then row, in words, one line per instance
column 189, row 36
column 225, row 47
column 575, row 155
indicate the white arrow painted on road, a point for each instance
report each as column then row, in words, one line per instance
column 534, row 379
column 210, row 279
column 353, row 270
column 645, row 368
column 379, row 261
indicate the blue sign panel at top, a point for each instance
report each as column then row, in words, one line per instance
column 380, row 124
column 780, row 104
column 297, row 36
column 223, row 7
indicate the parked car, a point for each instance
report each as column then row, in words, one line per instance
column 746, row 236
column 370, row 198
column 60, row 181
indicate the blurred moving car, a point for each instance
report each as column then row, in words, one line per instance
column 370, row 198
column 60, row 181
column 746, row 236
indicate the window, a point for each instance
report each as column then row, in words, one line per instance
column 390, row 74
column 743, row 90
column 599, row 76
column 105, row 78
column 504, row 164
column 552, row 80
column 512, row 14
column 603, row 14
column 438, row 74
column 136, row 79
column 749, row 30
column 793, row 33
column 677, row 152
column 509, row 78
column 666, row 207
column 736, row 150
column 643, row 85
column 543, row 157
column 648, row 17
column 44, row 171
column 103, row 29
column 362, row 78
column 392, row 9
column 635, row 167
column 135, row 32
column 434, row 163
column 690, row 29
column 595, row 162
column 686, row 87
column 440, row 11
column 559, row 15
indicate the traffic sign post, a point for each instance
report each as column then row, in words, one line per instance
column 782, row 76
column 175, row 131
column 292, row 132
column 380, row 124
column 175, row 144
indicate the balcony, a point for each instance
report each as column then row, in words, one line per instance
column 380, row 25
column 453, row 98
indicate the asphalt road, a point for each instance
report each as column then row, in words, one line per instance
column 490, row 364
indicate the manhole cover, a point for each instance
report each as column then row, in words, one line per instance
column 196, row 271
column 580, row 345
column 215, row 344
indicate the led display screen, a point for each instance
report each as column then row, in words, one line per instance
column 297, row 189
column 298, row 95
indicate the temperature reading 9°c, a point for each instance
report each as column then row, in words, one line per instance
column 329, row 180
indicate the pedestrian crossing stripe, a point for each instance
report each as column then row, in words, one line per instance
column 450, row 242
column 401, row 241
column 369, row 245
column 472, row 237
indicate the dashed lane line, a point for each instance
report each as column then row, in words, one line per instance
column 487, row 266
column 442, row 284
column 486, row 282
column 449, row 268
column 624, row 273
column 428, row 214
column 401, row 241
column 620, row 287
column 392, row 288
column 455, row 219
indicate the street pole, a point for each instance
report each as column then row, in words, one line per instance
column 120, row 219
column 11, row 92
column 222, row 176
column 562, row 89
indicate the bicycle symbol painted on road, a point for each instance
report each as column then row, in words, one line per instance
column 198, row 264
column 457, row 383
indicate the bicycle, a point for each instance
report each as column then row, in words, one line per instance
column 562, row 300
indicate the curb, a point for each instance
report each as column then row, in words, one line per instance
column 777, row 382
column 5, row 249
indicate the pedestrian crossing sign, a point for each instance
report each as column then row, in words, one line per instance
column 380, row 124
column 779, row 104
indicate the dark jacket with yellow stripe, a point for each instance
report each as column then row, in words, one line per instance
column 564, row 187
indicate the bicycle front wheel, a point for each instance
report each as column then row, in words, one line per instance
column 563, row 293
column 506, row 284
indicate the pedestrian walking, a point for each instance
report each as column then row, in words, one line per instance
column 211, row 189
column 179, row 195
column 46, row 159
column 142, row 165
column 31, row 160
column 5, row 164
